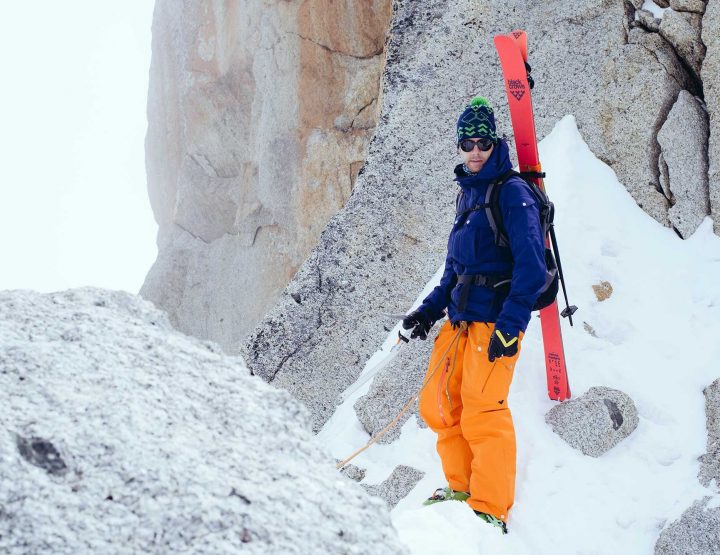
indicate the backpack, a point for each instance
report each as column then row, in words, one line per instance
column 553, row 267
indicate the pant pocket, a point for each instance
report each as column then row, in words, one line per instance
column 489, row 375
column 497, row 386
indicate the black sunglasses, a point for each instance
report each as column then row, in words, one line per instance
column 467, row 145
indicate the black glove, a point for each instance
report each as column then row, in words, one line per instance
column 420, row 322
column 502, row 345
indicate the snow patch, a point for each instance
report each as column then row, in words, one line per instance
column 653, row 8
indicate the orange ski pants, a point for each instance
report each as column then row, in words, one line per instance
column 465, row 404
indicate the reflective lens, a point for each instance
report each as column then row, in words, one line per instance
column 483, row 144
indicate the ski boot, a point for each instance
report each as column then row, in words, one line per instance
column 446, row 494
column 490, row 519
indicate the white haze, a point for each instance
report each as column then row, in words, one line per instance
column 74, row 207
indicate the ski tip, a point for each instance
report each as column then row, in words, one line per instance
column 504, row 43
column 520, row 38
column 516, row 38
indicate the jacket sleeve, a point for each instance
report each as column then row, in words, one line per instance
column 521, row 218
column 439, row 298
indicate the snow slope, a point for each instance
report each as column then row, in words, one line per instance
column 656, row 340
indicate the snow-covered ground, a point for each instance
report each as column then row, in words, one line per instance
column 653, row 8
column 656, row 341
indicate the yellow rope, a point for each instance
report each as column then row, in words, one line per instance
column 381, row 433
column 452, row 370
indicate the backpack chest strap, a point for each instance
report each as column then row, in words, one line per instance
column 466, row 281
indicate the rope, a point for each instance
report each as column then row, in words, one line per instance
column 452, row 370
column 381, row 433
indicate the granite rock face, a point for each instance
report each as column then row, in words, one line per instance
column 711, row 85
column 121, row 435
column 621, row 83
column 696, row 6
column 696, row 532
column 648, row 20
column 397, row 486
column 354, row 473
column 710, row 461
column 682, row 30
column 392, row 388
column 683, row 141
column 260, row 113
column 596, row 421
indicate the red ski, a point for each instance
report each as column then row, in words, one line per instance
column 512, row 50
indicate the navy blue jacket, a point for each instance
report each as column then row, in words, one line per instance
column 472, row 250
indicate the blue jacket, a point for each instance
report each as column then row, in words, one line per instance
column 472, row 250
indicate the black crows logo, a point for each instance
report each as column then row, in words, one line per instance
column 516, row 88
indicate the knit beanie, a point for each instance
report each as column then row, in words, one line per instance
column 477, row 120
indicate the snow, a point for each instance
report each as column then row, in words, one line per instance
column 656, row 341
column 656, row 10
column 163, row 444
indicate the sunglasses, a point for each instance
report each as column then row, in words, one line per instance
column 467, row 145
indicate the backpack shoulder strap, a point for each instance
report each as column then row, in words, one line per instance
column 492, row 200
column 492, row 208
column 468, row 210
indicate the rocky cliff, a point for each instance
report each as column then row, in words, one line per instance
column 637, row 102
column 259, row 115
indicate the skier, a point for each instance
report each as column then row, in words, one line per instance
column 489, row 292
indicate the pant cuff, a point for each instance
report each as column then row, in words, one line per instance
column 459, row 487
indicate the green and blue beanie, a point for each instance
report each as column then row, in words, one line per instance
column 477, row 120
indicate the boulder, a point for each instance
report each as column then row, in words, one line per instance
column 397, row 486
column 696, row 532
column 710, row 461
column 354, row 473
column 682, row 30
column 121, row 435
column 596, row 421
column 683, row 141
column 696, row 6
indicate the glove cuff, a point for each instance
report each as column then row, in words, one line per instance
column 429, row 314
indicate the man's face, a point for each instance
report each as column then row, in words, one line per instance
column 476, row 158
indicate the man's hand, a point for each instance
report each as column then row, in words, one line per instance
column 420, row 323
column 502, row 345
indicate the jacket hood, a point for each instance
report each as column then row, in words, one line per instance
column 498, row 163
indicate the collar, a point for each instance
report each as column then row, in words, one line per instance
column 467, row 170
column 497, row 165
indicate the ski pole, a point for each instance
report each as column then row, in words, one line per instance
column 569, row 310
